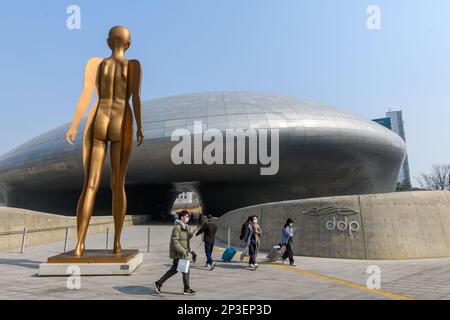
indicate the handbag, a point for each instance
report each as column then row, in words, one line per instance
column 183, row 265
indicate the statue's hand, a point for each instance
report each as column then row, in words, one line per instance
column 139, row 137
column 71, row 135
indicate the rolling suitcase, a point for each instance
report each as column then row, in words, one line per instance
column 276, row 254
column 228, row 254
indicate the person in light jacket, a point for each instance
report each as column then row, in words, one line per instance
column 286, row 240
column 179, row 249
column 252, row 239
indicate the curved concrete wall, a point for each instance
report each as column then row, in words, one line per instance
column 402, row 225
column 46, row 228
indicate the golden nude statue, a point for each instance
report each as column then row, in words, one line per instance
column 115, row 79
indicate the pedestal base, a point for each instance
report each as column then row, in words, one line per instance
column 92, row 263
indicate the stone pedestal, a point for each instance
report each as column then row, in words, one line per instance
column 92, row 263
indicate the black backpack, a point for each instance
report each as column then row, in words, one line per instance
column 243, row 229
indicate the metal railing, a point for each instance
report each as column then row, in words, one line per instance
column 25, row 231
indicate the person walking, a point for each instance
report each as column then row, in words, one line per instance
column 244, row 227
column 286, row 240
column 179, row 249
column 209, row 229
column 252, row 240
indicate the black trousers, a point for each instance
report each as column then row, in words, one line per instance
column 172, row 271
column 253, row 253
column 289, row 253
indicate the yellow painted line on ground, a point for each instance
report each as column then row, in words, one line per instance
column 346, row 283
column 380, row 292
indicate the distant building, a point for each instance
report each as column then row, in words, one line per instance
column 187, row 201
column 184, row 197
column 385, row 122
column 394, row 121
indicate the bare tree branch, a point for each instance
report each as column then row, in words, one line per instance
column 438, row 179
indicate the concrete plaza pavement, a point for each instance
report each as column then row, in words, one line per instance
column 312, row 278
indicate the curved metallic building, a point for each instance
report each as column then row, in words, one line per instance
column 322, row 152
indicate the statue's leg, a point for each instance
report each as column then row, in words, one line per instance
column 90, row 189
column 81, row 204
column 86, row 166
column 120, row 154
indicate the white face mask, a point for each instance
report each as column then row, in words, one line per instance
column 185, row 219
column 291, row 225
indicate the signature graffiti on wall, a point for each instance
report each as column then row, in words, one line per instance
column 341, row 223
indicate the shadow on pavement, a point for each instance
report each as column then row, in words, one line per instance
column 136, row 290
column 26, row 263
column 232, row 265
column 144, row 291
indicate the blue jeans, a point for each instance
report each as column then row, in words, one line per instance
column 208, row 251
column 253, row 253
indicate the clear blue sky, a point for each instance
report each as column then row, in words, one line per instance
column 313, row 49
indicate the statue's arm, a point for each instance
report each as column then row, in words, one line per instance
column 90, row 74
column 136, row 98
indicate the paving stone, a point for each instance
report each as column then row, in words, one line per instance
column 313, row 278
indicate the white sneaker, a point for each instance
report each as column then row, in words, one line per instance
column 212, row 266
column 251, row 267
column 256, row 265
column 208, row 266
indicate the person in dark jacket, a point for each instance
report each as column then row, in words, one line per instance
column 252, row 239
column 209, row 229
column 244, row 227
column 179, row 249
column 286, row 240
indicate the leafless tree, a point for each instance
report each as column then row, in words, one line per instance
column 438, row 179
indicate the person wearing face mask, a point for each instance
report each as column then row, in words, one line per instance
column 287, row 234
column 179, row 249
column 252, row 239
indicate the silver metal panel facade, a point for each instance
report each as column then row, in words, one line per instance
column 322, row 152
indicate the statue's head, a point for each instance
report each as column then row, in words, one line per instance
column 119, row 37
